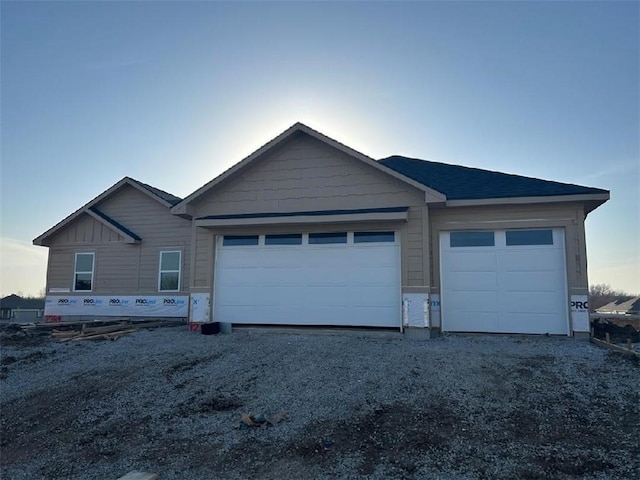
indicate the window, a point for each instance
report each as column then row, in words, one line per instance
column 239, row 240
column 169, row 277
column 83, row 273
column 529, row 237
column 291, row 239
column 471, row 239
column 324, row 238
column 367, row 237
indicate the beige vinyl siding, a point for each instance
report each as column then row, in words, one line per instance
column 60, row 267
column 302, row 175
column 122, row 268
column 305, row 174
column 569, row 216
column 204, row 252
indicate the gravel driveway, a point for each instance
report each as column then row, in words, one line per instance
column 360, row 405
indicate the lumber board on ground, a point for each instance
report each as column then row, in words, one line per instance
column 67, row 334
column 135, row 475
column 98, row 336
column 57, row 325
column 615, row 347
column 105, row 329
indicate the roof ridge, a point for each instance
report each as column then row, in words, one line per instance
column 155, row 190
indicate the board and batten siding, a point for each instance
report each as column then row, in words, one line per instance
column 122, row 268
column 569, row 216
column 305, row 174
column 86, row 229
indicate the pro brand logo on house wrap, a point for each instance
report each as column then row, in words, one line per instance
column 145, row 302
column 67, row 301
column 91, row 302
column 173, row 301
column 118, row 302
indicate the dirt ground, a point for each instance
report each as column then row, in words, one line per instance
column 358, row 405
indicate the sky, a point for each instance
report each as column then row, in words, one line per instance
column 174, row 93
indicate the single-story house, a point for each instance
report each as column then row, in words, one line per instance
column 307, row 231
column 621, row 306
column 18, row 309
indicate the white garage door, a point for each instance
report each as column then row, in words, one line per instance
column 504, row 281
column 335, row 278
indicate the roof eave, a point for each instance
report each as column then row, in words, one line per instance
column 591, row 200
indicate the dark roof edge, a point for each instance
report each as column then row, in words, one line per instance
column 316, row 213
column 117, row 225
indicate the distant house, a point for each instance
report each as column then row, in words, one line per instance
column 307, row 231
column 16, row 308
column 628, row 306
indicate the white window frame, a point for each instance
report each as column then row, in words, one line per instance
column 76, row 271
column 160, row 271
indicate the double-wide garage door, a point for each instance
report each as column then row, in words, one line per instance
column 504, row 281
column 333, row 278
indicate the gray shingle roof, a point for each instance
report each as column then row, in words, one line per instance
column 465, row 183
column 166, row 196
column 15, row 302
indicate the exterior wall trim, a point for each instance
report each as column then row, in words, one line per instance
column 595, row 197
column 303, row 219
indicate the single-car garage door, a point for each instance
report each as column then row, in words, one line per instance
column 504, row 281
column 331, row 278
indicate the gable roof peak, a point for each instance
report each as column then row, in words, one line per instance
column 164, row 198
column 182, row 207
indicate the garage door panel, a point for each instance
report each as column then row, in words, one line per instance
column 240, row 278
column 373, row 295
column 371, row 275
column 529, row 260
column 470, row 281
column 465, row 261
column 537, row 323
column 242, row 258
column 527, row 292
column 323, row 295
column 531, row 281
column 366, row 315
column 248, row 296
column 473, row 322
column 530, row 302
column 471, row 301
column 305, row 284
